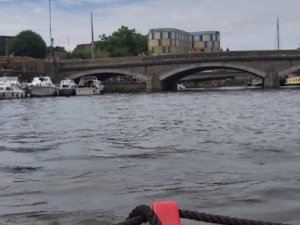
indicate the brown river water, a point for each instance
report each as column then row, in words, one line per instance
column 91, row 160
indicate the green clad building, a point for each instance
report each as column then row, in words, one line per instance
column 174, row 41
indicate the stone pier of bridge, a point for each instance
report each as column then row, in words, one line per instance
column 271, row 80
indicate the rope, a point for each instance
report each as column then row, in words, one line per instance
column 225, row 220
column 142, row 214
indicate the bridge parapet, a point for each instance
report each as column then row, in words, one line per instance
column 179, row 58
column 101, row 60
column 231, row 54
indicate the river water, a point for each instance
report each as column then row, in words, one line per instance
column 91, row 160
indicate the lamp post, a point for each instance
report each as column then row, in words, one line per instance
column 277, row 35
column 92, row 29
column 68, row 41
column 50, row 29
column 6, row 47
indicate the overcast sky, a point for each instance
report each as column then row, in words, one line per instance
column 243, row 24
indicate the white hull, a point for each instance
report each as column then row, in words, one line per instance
column 180, row 87
column 12, row 94
column 87, row 91
column 43, row 91
column 67, row 87
column 10, row 88
column 89, row 85
column 66, row 91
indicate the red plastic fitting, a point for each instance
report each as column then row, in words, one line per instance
column 167, row 212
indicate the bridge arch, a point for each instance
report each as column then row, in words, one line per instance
column 76, row 76
column 187, row 70
column 288, row 71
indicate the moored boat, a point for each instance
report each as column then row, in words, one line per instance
column 42, row 86
column 257, row 82
column 180, row 87
column 89, row 85
column 291, row 81
column 10, row 88
column 67, row 87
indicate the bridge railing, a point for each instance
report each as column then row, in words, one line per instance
column 205, row 56
column 103, row 60
column 262, row 53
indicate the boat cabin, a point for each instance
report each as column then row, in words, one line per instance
column 89, row 81
column 42, row 81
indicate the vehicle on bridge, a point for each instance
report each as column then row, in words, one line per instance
column 89, row 85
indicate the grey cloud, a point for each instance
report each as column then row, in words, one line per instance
column 244, row 24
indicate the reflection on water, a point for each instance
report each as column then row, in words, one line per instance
column 80, row 159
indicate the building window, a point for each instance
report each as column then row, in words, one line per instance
column 157, row 35
column 186, row 38
column 206, row 37
column 196, row 38
column 173, row 36
column 213, row 37
column 165, row 35
column 210, row 44
column 165, row 49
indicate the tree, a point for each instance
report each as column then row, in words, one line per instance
column 123, row 42
column 56, row 49
column 82, row 52
column 28, row 43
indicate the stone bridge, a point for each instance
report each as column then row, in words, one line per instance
column 163, row 72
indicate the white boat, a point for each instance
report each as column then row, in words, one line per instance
column 67, row 87
column 42, row 86
column 291, row 81
column 10, row 87
column 89, row 85
column 180, row 87
column 258, row 81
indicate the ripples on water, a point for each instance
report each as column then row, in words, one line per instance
column 230, row 152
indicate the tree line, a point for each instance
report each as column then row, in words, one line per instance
column 123, row 42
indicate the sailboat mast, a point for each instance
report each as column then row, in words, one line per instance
column 92, row 29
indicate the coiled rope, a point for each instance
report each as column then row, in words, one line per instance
column 143, row 213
